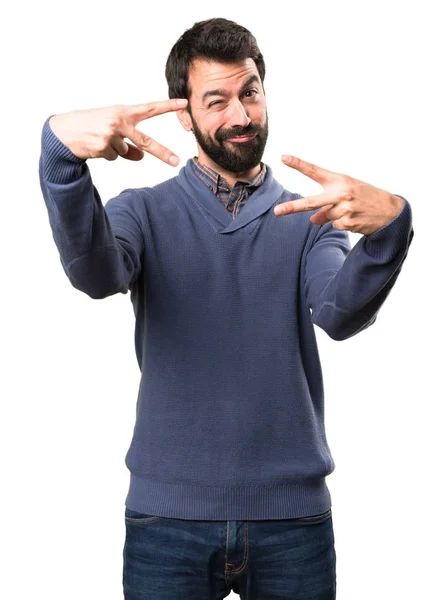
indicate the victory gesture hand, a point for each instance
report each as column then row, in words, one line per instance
column 99, row 132
column 349, row 203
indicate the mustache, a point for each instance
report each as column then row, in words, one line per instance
column 251, row 129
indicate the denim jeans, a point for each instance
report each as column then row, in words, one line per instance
column 180, row 559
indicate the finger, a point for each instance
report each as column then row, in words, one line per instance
column 338, row 224
column 147, row 144
column 110, row 153
column 126, row 149
column 119, row 145
column 323, row 215
column 139, row 112
column 320, row 175
column 134, row 153
column 306, row 204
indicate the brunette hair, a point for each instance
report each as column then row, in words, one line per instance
column 216, row 39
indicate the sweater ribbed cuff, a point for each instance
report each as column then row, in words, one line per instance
column 60, row 165
column 385, row 243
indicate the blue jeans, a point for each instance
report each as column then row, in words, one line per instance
column 181, row 559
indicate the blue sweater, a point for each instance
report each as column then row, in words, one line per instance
column 230, row 409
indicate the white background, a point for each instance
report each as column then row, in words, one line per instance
column 345, row 90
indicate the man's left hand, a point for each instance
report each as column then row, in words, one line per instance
column 349, row 203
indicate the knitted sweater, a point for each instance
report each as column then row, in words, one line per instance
column 230, row 408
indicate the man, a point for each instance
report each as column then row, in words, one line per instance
column 228, row 273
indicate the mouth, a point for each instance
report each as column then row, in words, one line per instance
column 242, row 138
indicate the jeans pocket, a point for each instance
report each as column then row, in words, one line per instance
column 134, row 517
column 315, row 519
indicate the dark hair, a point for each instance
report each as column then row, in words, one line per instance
column 216, row 39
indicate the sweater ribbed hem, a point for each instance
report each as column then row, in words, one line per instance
column 386, row 243
column 250, row 502
column 60, row 165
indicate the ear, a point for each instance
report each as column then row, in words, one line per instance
column 184, row 119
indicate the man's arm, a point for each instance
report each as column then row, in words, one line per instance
column 101, row 256
column 345, row 287
column 100, row 249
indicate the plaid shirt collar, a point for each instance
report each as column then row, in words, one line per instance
column 219, row 185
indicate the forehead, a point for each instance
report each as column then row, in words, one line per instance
column 205, row 75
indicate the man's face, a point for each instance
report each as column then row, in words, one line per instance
column 227, row 101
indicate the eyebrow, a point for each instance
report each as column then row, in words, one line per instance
column 221, row 92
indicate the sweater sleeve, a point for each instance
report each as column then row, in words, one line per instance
column 100, row 248
column 345, row 287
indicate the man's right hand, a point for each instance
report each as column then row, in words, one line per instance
column 99, row 132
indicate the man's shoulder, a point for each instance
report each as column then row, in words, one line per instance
column 164, row 189
column 154, row 198
column 161, row 189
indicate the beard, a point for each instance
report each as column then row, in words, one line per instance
column 234, row 157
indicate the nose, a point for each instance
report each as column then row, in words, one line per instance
column 238, row 116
